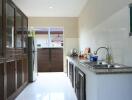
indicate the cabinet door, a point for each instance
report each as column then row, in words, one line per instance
column 1, row 81
column 80, row 84
column 43, row 60
column 56, row 59
column 19, row 73
column 11, row 80
column 25, row 33
column 19, row 31
column 9, row 25
column 25, row 68
column 1, row 28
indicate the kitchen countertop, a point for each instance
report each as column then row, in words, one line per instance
column 79, row 63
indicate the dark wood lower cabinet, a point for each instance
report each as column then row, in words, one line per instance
column 2, row 81
column 25, row 68
column 13, row 76
column 80, row 84
column 11, row 83
column 50, row 60
column 19, row 73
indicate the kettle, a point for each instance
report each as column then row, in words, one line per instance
column 74, row 52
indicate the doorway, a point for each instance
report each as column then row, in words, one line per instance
column 50, row 49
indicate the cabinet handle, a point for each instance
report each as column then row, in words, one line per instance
column 81, row 73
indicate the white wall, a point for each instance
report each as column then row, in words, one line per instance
column 107, row 23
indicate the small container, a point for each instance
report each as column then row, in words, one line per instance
column 93, row 58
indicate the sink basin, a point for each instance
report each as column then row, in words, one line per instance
column 103, row 66
column 95, row 64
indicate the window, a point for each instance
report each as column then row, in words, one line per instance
column 49, row 37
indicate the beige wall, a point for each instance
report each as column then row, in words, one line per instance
column 107, row 23
column 70, row 26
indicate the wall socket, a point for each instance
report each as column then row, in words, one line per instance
column 130, row 34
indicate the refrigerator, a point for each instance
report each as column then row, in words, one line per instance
column 32, row 59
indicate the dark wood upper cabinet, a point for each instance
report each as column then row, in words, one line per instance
column 1, row 28
column 9, row 25
column 25, row 33
column 18, row 29
column 13, row 62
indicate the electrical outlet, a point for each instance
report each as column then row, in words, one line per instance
column 130, row 34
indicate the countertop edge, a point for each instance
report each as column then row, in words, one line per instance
column 76, row 61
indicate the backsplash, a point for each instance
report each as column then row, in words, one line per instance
column 112, row 32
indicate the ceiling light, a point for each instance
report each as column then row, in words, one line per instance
column 50, row 7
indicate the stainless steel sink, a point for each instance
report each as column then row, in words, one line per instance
column 103, row 65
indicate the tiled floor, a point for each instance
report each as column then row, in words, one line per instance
column 49, row 86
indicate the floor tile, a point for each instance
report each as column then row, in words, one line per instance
column 49, row 86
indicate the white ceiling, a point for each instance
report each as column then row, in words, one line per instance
column 61, row 8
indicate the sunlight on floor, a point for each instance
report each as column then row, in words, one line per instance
column 51, row 96
column 49, row 86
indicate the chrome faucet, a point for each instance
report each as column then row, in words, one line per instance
column 108, row 59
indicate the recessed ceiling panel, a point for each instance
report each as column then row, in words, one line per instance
column 51, row 8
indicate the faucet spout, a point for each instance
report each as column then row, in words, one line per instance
column 107, row 56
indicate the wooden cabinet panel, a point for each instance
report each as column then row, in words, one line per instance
column 1, row 35
column 19, row 73
column 50, row 60
column 1, row 81
column 43, row 60
column 43, row 66
column 11, row 82
column 57, row 60
column 25, row 68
